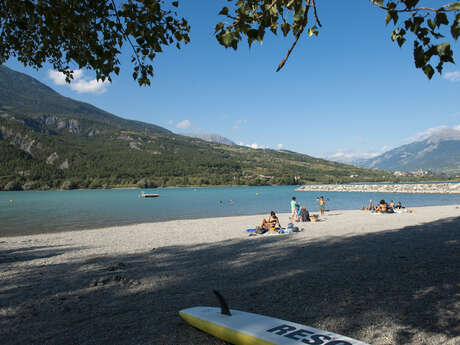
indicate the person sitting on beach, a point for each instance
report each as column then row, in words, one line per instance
column 392, row 204
column 304, row 214
column 272, row 222
column 382, row 207
column 398, row 205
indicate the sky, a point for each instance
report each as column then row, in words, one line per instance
column 348, row 93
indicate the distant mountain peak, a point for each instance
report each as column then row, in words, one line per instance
column 211, row 137
column 438, row 152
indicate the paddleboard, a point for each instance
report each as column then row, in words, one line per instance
column 242, row 328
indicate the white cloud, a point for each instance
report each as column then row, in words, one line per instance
column 452, row 76
column 425, row 134
column 348, row 156
column 89, row 86
column 170, row 123
column 79, row 83
column 253, row 146
column 57, row 77
column 186, row 124
column 240, row 122
column 280, row 146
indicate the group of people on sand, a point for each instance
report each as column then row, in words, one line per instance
column 301, row 214
column 298, row 214
column 383, row 207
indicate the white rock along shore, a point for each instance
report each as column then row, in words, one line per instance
column 383, row 279
column 422, row 188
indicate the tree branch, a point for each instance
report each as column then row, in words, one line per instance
column 441, row 9
column 126, row 36
column 316, row 14
column 302, row 28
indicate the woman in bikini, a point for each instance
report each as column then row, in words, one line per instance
column 382, row 207
column 272, row 222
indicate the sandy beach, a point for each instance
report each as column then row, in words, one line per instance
column 382, row 279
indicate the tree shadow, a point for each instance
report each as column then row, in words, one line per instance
column 391, row 287
column 29, row 253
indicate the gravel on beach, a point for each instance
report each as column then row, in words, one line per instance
column 383, row 279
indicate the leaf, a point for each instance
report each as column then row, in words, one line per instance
column 285, row 27
column 219, row 27
column 441, row 18
column 224, row 11
column 274, row 10
column 455, row 29
column 419, row 57
column 429, row 71
column 411, row 3
column 391, row 15
column 455, row 6
column 227, row 39
column 400, row 41
column 443, row 49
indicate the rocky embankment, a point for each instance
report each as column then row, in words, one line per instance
column 428, row 188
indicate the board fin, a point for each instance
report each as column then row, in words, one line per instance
column 224, row 310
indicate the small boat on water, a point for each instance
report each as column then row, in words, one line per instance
column 148, row 195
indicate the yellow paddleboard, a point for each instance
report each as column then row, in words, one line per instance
column 242, row 328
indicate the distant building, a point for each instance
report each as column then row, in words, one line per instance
column 421, row 172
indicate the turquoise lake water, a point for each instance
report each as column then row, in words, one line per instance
column 54, row 211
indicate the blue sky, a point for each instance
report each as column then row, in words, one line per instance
column 349, row 91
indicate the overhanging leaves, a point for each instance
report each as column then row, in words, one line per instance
column 89, row 34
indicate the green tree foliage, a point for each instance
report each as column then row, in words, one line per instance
column 91, row 34
column 250, row 20
column 427, row 26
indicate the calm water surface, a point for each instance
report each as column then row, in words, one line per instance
column 53, row 211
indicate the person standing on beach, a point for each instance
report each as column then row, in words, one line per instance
column 322, row 205
column 293, row 209
column 371, row 206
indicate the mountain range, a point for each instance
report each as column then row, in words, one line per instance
column 50, row 141
column 439, row 153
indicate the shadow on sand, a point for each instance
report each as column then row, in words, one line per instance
column 390, row 287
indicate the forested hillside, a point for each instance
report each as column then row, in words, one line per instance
column 50, row 141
